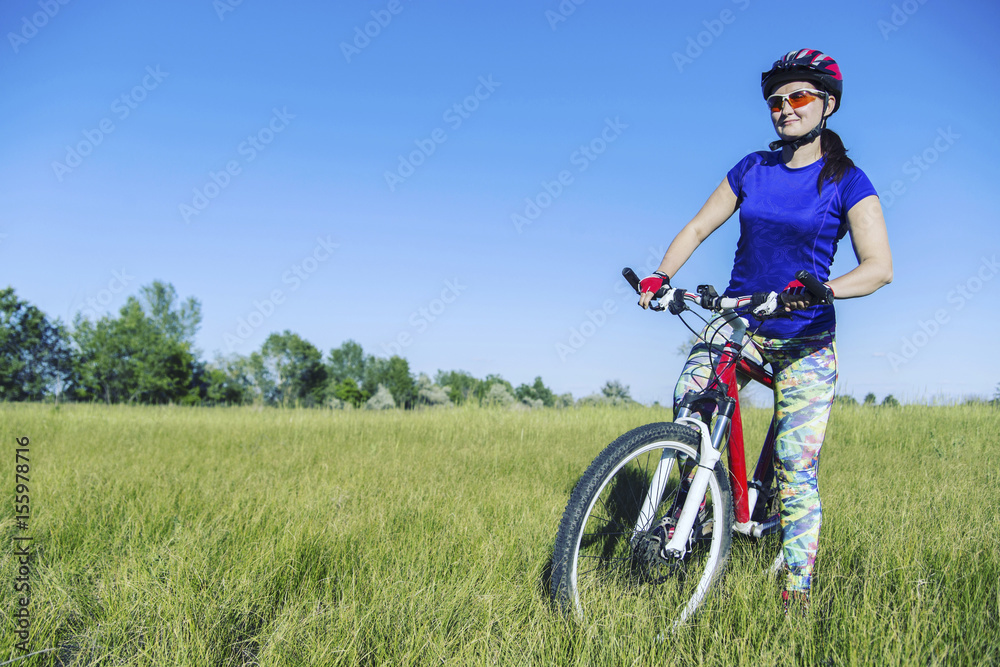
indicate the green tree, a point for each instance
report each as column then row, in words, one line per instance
column 227, row 381
column 536, row 392
column 869, row 399
column 483, row 388
column 131, row 359
column 400, row 382
column 394, row 374
column 294, row 369
column 612, row 393
column 261, row 385
column 890, row 402
column 347, row 361
column 345, row 372
column 349, row 392
column 616, row 392
column 35, row 355
column 179, row 321
column 461, row 385
column 564, row 400
column 145, row 354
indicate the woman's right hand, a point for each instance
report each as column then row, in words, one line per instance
column 653, row 287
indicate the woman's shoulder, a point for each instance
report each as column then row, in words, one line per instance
column 763, row 158
column 854, row 174
column 755, row 159
column 855, row 186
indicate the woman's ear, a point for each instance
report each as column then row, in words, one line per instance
column 830, row 105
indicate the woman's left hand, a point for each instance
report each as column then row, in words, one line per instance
column 795, row 296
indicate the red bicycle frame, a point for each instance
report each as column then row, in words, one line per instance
column 725, row 372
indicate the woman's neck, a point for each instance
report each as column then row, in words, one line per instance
column 803, row 156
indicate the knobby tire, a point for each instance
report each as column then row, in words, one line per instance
column 601, row 563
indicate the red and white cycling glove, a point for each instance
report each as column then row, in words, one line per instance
column 796, row 288
column 658, row 284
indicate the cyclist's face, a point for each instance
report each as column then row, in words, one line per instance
column 791, row 122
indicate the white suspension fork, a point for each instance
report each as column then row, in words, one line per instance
column 709, row 455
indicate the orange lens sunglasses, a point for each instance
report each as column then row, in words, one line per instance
column 797, row 99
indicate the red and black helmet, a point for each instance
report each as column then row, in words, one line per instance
column 805, row 65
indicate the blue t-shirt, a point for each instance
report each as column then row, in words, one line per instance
column 786, row 225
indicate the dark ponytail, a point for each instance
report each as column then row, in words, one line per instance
column 837, row 162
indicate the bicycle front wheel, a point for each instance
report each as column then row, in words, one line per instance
column 607, row 551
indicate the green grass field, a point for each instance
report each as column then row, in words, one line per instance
column 173, row 536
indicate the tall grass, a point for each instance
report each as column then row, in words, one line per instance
column 173, row 536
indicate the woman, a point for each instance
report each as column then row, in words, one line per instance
column 795, row 204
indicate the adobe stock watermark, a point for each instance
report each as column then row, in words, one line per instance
column 918, row 164
column 30, row 25
column 454, row 116
column 714, row 28
column 959, row 297
column 122, row 107
column 223, row 7
column 565, row 9
column 262, row 309
column 900, row 14
column 93, row 306
column 581, row 158
column 248, row 150
column 594, row 320
column 654, row 255
column 586, row 329
column 381, row 18
column 420, row 320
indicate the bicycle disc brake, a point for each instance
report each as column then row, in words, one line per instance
column 649, row 552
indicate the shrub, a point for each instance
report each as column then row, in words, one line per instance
column 498, row 396
column 431, row 394
column 890, row 402
column 381, row 400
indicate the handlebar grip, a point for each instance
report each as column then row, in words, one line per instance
column 818, row 289
column 632, row 279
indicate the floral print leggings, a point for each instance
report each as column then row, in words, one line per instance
column 805, row 375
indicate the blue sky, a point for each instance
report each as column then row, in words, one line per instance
column 293, row 172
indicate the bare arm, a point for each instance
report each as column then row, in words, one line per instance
column 720, row 206
column 871, row 246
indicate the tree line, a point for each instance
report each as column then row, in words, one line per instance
column 146, row 354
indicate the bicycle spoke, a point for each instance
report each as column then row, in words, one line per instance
column 618, row 537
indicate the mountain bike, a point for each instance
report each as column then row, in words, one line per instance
column 649, row 525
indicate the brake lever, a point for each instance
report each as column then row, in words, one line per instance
column 677, row 305
column 770, row 306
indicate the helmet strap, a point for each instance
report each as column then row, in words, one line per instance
column 806, row 138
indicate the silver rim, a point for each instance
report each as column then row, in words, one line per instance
column 706, row 558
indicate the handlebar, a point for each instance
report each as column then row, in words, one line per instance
column 815, row 287
column 764, row 304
